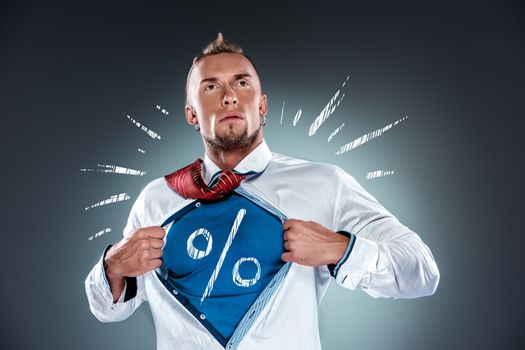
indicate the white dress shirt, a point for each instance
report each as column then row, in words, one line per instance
column 384, row 258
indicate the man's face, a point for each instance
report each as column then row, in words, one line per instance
column 224, row 98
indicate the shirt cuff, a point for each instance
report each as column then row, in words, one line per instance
column 130, row 283
column 334, row 268
column 355, row 271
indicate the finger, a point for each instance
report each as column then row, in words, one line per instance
column 153, row 232
column 286, row 256
column 155, row 253
column 288, row 224
column 290, row 235
column 287, row 245
column 153, row 264
column 156, row 243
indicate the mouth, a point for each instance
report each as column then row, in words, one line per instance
column 231, row 116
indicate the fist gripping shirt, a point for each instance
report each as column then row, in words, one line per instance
column 219, row 256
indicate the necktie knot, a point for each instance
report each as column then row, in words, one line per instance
column 188, row 183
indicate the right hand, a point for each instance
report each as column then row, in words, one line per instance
column 135, row 254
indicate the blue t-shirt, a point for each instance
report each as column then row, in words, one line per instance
column 221, row 255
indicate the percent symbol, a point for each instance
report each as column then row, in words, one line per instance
column 195, row 253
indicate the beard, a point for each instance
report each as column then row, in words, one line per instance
column 233, row 142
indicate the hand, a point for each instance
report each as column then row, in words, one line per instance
column 309, row 243
column 135, row 254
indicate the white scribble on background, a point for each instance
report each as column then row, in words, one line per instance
column 378, row 173
column 108, row 168
column 100, row 233
column 151, row 133
column 367, row 137
column 113, row 199
column 282, row 112
column 327, row 111
column 335, row 132
column 163, row 111
column 141, row 150
column 297, row 117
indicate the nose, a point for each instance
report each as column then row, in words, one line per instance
column 229, row 97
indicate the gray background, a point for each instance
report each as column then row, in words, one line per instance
column 70, row 72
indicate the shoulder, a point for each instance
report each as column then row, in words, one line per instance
column 289, row 164
column 157, row 190
column 325, row 176
column 155, row 201
column 157, row 185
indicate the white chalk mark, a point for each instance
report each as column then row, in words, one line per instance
column 344, row 83
column 141, row 150
column 100, row 233
column 378, row 173
column 245, row 282
column 195, row 253
column 335, row 132
column 107, row 168
column 297, row 117
column 163, row 111
column 231, row 236
column 327, row 111
column 151, row 133
column 113, row 199
column 367, row 137
column 282, row 112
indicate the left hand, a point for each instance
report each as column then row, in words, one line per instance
column 309, row 243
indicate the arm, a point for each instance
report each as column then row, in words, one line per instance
column 371, row 250
column 103, row 304
column 385, row 258
column 112, row 296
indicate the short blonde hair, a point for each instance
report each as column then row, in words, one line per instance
column 219, row 45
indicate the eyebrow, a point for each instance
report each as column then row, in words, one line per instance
column 236, row 76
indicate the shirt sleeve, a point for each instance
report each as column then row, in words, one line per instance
column 384, row 258
column 97, row 287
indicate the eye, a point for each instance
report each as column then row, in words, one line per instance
column 210, row 87
column 243, row 83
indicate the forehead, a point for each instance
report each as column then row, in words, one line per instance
column 222, row 65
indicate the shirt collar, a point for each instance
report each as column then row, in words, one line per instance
column 255, row 162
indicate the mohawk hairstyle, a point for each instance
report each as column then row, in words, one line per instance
column 219, row 45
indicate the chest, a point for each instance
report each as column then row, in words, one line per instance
column 234, row 231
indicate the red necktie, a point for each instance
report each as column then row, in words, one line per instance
column 188, row 183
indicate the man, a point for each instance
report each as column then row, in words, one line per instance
column 253, row 237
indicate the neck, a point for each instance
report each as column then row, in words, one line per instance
column 228, row 160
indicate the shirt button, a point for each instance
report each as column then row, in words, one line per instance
column 198, row 204
column 202, row 316
column 175, row 292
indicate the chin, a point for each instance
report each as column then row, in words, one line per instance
column 231, row 140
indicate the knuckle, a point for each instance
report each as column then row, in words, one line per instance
column 143, row 244
column 138, row 233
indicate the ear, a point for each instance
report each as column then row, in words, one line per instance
column 263, row 105
column 191, row 117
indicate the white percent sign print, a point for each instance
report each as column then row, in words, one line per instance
column 195, row 253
